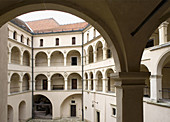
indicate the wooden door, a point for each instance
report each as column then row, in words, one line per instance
column 73, row 110
column 74, row 83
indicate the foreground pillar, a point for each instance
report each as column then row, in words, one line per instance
column 129, row 95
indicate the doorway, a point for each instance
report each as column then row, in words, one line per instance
column 98, row 116
column 44, row 84
column 73, row 110
column 74, row 83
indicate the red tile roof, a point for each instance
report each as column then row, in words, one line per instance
column 50, row 25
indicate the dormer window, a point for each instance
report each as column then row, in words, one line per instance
column 73, row 40
column 41, row 42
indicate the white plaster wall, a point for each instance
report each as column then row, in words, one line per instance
column 15, row 99
column 156, row 113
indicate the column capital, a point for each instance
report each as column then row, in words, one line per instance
column 164, row 24
column 130, row 78
column 156, row 76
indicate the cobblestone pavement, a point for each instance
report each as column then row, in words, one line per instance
column 71, row 119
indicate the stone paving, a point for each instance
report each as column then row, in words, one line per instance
column 71, row 119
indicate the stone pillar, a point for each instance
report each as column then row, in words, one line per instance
column 129, row 95
column 33, row 62
column 21, row 60
column 49, row 85
column 48, row 62
column 20, row 86
column 163, row 33
column 65, row 61
column 94, row 84
column 104, row 84
column 9, row 87
column 30, row 85
column 89, row 84
column 30, row 62
column 104, row 53
column 65, row 84
column 87, row 59
column 155, row 87
column 95, row 56
column 9, row 57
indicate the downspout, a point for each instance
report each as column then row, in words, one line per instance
column 32, row 47
column 82, row 79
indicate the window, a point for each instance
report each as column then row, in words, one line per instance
column 114, row 111
column 15, row 35
column 150, row 43
column 108, row 53
column 22, row 38
column 94, row 33
column 57, row 41
column 87, row 37
column 73, row 101
column 73, row 60
column 41, row 42
column 73, row 40
column 27, row 41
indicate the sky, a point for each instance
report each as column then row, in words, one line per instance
column 61, row 17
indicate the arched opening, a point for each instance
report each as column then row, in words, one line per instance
column 15, row 55
column 90, row 54
column 71, row 106
column 42, row 107
column 110, row 82
column 99, row 48
column 22, row 112
column 57, row 59
column 109, row 53
column 41, row 59
column 57, row 82
column 74, row 81
column 14, row 83
column 41, row 82
column 91, row 81
column 26, row 58
column 10, row 114
column 99, row 85
column 165, row 80
column 73, row 58
column 25, row 83
column 146, row 90
column 86, row 80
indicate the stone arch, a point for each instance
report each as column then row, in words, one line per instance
column 57, row 58
column 57, row 81
column 15, row 55
column 86, row 80
column 99, row 49
column 10, row 113
column 73, row 54
column 144, row 68
column 91, row 77
column 41, row 59
column 74, row 81
column 44, row 107
column 65, row 108
column 90, row 54
column 14, row 83
column 99, row 78
column 110, row 82
column 25, row 83
column 22, row 111
column 26, row 58
column 41, row 82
